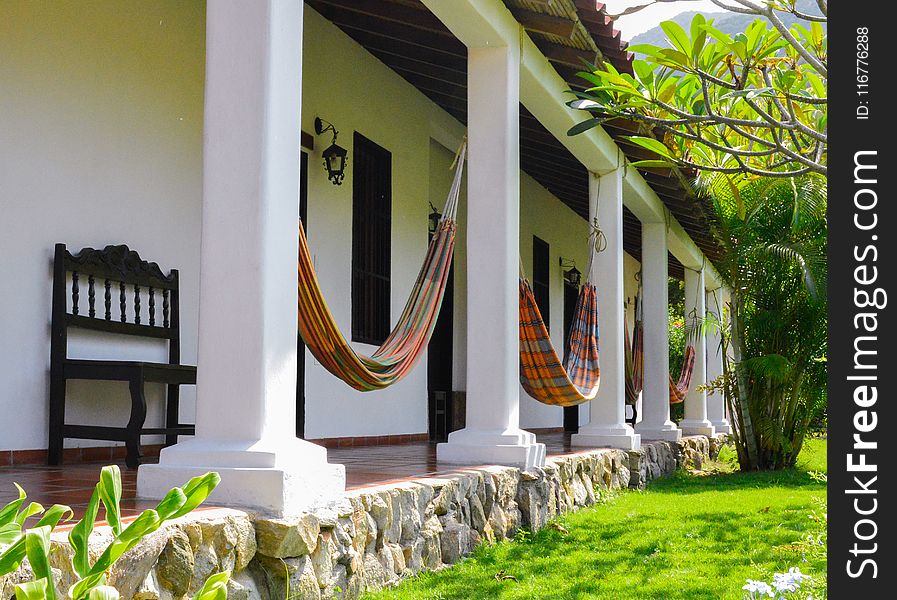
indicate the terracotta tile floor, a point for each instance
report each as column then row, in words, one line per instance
column 72, row 484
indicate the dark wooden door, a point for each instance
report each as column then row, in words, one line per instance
column 440, row 354
column 571, row 294
column 300, row 345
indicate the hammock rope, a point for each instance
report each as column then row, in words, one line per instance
column 409, row 338
column 542, row 373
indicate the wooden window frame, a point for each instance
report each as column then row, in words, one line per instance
column 371, row 241
column 542, row 278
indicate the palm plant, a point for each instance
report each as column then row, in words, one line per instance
column 773, row 232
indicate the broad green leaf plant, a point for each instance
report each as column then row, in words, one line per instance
column 18, row 542
column 750, row 103
column 774, row 233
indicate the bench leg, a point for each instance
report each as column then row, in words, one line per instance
column 172, row 412
column 57, row 420
column 135, row 425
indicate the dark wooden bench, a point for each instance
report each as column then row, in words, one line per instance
column 119, row 272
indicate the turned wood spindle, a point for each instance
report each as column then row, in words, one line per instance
column 75, row 292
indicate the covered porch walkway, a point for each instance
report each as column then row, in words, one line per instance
column 366, row 466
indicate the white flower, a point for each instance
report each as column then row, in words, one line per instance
column 790, row 581
column 797, row 576
column 783, row 583
column 758, row 589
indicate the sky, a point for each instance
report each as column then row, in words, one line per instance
column 648, row 18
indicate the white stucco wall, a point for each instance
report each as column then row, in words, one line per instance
column 345, row 85
column 100, row 143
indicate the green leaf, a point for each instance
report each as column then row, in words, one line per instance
column 53, row 515
column 171, row 503
column 33, row 590
column 110, row 493
column 80, row 534
column 12, row 556
column 585, row 126
column 9, row 533
column 214, row 588
column 667, row 91
column 103, row 592
column 649, row 164
column 646, row 49
column 736, row 194
column 677, row 36
column 651, row 144
column 37, row 549
column 9, row 512
column 672, row 58
column 817, row 34
column 698, row 36
column 197, row 490
column 31, row 510
column 718, row 35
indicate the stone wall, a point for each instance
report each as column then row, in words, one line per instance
column 375, row 536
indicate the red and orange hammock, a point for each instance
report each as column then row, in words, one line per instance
column 408, row 340
column 634, row 355
column 542, row 374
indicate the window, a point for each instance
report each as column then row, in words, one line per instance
column 541, row 278
column 371, row 244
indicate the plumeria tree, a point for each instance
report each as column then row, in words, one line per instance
column 754, row 102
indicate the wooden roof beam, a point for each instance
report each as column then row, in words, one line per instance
column 535, row 22
column 566, row 55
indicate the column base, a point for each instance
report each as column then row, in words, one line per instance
column 666, row 431
column 696, row 427
column 722, row 427
column 515, row 448
column 279, row 480
column 610, row 436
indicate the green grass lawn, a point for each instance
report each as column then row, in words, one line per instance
column 689, row 536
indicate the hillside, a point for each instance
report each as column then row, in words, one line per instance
column 726, row 22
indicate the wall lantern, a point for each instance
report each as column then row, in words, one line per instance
column 435, row 217
column 335, row 157
column 571, row 276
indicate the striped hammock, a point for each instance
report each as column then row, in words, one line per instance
column 634, row 354
column 678, row 389
column 634, row 360
column 408, row 340
column 542, row 373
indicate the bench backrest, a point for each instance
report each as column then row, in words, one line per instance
column 115, row 291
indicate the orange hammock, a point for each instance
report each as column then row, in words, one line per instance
column 542, row 374
column 408, row 340
column 679, row 389
column 634, row 354
column 634, row 357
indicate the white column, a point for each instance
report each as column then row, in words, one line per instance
column 492, row 434
column 695, row 421
column 607, row 413
column 716, row 403
column 246, row 381
column 656, row 423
